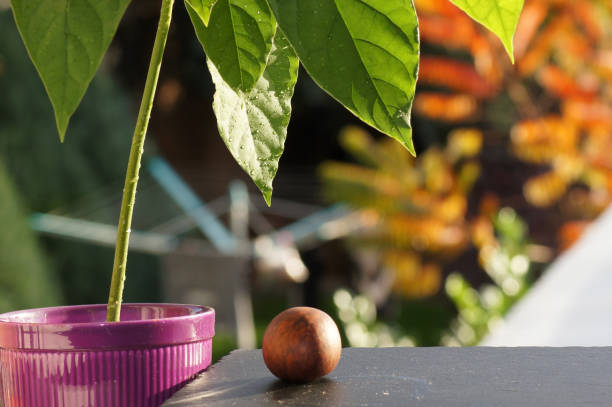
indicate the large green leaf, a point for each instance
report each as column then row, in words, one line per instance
column 66, row 40
column 499, row 16
column 203, row 8
column 364, row 53
column 253, row 124
column 237, row 39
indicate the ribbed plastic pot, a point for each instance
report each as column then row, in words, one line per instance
column 70, row 357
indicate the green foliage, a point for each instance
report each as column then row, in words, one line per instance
column 202, row 8
column 508, row 266
column 360, row 325
column 223, row 344
column 66, row 40
column 499, row 16
column 50, row 174
column 25, row 281
column 237, row 40
column 253, row 124
column 415, row 209
column 363, row 53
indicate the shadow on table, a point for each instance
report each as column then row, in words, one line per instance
column 266, row 389
column 323, row 391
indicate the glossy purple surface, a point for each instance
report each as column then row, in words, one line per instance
column 85, row 327
column 71, row 357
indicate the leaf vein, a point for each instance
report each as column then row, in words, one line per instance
column 229, row 2
column 386, row 51
column 378, row 92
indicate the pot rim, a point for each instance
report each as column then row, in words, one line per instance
column 201, row 310
column 197, row 324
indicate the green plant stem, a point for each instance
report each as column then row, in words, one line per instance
column 131, row 179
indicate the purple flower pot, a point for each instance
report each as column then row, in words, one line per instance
column 71, row 357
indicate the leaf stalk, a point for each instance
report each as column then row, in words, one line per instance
column 115, row 297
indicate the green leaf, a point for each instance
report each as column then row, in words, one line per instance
column 237, row 39
column 364, row 53
column 66, row 40
column 253, row 124
column 499, row 16
column 203, row 8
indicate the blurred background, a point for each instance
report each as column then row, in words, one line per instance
column 513, row 166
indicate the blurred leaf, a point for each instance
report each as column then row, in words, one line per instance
column 370, row 68
column 203, row 8
column 237, row 40
column 586, row 12
column 454, row 75
column 482, row 231
column 426, row 234
column 563, row 85
column 464, row 143
column 439, row 177
column 447, row 32
column 25, row 280
column 441, row 7
column 450, row 108
column 358, row 142
column 511, row 228
column 66, row 41
column 360, row 186
column 542, row 140
column 595, row 114
column 499, row 16
column 452, row 208
column 413, row 279
column 467, row 176
column 532, row 16
column 542, row 46
column 544, row 190
column 253, row 124
column 570, row 232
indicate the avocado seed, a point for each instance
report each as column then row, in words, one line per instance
column 301, row 344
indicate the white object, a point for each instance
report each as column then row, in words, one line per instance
column 571, row 304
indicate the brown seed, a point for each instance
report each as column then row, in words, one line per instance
column 301, row 344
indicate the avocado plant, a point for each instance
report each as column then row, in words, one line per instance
column 364, row 53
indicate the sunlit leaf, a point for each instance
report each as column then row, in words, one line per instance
column 253, row 124
column 364, row 53
column 237, row 40
column 202, row 8
column 499, row 16
column 66, row 40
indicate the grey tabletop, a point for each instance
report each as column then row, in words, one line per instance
column 440, row 377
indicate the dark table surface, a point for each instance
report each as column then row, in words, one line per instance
column 440, row 377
